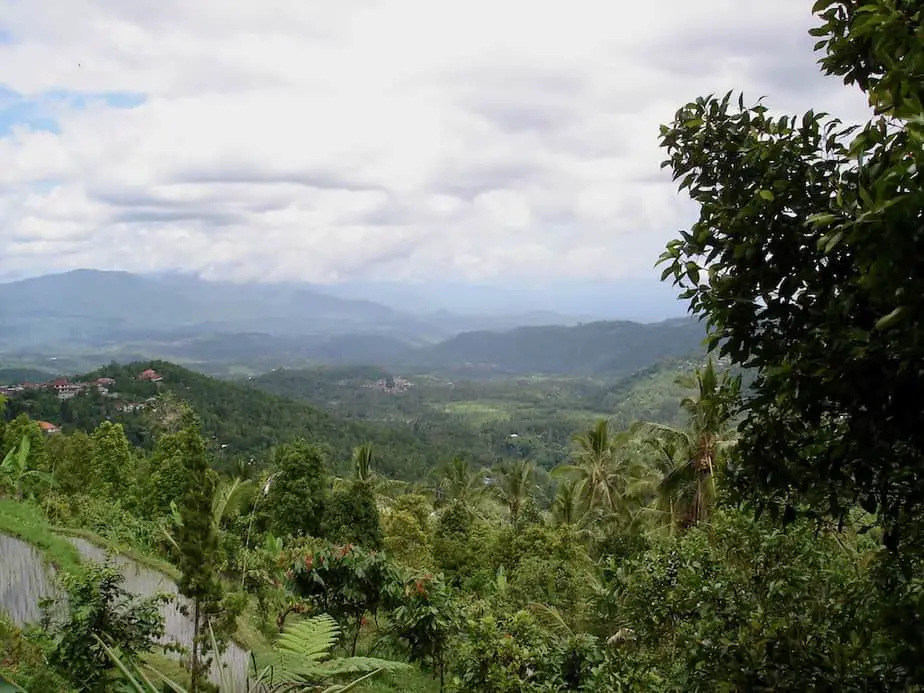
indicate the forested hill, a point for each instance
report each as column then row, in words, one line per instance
column 247, row 421
column 608, row 348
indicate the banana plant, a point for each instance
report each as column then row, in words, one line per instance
column 226, row 497
column 15, row 470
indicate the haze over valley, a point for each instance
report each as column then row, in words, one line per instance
column 399, row 346
column 86, row 318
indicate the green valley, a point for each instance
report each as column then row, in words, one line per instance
column 391, row 502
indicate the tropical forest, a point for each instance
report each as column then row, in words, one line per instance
column 733, row 502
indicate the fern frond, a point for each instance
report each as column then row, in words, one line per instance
column 342, row 688
column 310, row 639
column 358, row 665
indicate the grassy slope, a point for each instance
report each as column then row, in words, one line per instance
column 26, row 522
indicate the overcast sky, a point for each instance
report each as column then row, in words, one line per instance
column 374, row 139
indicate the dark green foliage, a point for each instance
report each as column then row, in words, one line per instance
column 165, row 476
column 241, row 422
column 14, row 376
column 453, row 548
column 99, row 607
column 20, row 427
column 110, row 466
column 745, row 606
column 351, row 516
column 425, row 618
column 196, row 536
column 70, row 454
column 406, row 540
column 344, row 390
column 614, row 348
column 23, row 661
column 514, row 485
column 346, row 581
column 297, row 495
column 514, row 653
column 546, row 566
column 197, row 542
column 805, row 263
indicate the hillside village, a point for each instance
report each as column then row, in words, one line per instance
column 391, row 385
column 66, row 389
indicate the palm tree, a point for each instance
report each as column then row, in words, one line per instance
column 608, row 468
column 569, row 508
column 690, row 458
column 566, row 507
column 460, row 483
column 363, row 459
column 514, row 486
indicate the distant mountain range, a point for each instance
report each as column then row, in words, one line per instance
column 87, row 317
column 98, row 308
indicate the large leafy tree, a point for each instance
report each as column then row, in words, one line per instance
column 298, row 492
column 110, row 464
column 346, row 581
column 352, row 515
column 805, row 262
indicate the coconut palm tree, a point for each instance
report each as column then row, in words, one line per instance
column 460, row 483
column 514, row 486
column 569, row 508
column 690, row 458
column 609, row 469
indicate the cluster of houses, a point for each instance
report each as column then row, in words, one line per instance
column 390, row 385
column 66, row 389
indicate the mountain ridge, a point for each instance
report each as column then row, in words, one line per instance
column 98, row 317
column 91, row 307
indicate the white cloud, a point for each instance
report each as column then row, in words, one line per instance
column 402, row 138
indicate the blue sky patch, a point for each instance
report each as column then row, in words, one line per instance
column 40, row 112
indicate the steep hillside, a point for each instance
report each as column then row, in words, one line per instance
column 611, row 348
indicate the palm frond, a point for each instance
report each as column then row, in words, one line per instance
column 227, row 496
column 677, row 480
column 551, row 618
column 565, row 470
column 16, row 458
